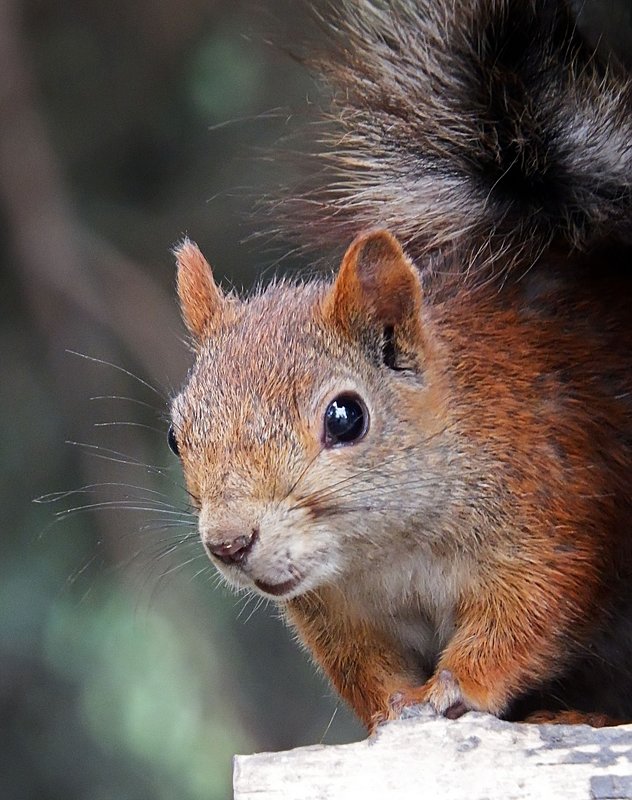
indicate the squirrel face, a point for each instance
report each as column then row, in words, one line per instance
column 289, row 431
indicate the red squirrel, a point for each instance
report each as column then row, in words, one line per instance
column 425, row 460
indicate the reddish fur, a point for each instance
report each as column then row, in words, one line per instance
column 201, row 298
column 495, row 474
column 375, row 279
column 363, row 665
column 530, row 377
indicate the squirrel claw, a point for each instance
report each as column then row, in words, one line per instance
column 402, row 701
column 378, row 720
column 442, row 694
column 455, row 711
column 417, row 710
column 445, row 695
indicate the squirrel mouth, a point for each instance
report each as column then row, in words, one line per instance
column 278, row 589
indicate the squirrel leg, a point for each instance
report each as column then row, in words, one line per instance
column 509, row 637
column 362, row 664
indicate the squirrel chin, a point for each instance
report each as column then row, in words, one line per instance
column 279, row 590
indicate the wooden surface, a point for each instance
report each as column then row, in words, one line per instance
column 471, row 758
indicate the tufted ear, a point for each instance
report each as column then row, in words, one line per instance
column 201, row 300
column 378, row 285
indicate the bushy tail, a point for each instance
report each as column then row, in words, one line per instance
column 485, row 126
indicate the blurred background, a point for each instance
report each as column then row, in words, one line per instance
column 125, row 671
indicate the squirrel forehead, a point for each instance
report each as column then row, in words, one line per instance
column 273, row 347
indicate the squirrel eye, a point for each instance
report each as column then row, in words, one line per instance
column 346, row 420
column 172, row 441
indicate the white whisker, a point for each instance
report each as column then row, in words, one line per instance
column 117, row 367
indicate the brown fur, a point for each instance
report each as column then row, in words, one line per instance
column 473, row 548
column 488, row 504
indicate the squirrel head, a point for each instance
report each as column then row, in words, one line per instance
column 293, row 428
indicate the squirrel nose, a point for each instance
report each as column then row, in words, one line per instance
column 232, row 549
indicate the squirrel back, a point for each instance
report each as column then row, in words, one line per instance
column 485, row 127
column 428, row 469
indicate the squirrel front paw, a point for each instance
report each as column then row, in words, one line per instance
column 445, row 693
column 442, row 692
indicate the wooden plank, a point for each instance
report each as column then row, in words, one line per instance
column 477, row 757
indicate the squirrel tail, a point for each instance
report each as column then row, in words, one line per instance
column 483, row 126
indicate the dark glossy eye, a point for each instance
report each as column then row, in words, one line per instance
column 346, row 420
column 172, row 441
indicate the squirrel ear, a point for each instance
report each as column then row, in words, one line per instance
column 201, row 300
column 377, row 281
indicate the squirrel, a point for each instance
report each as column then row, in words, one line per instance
column 426, row 459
